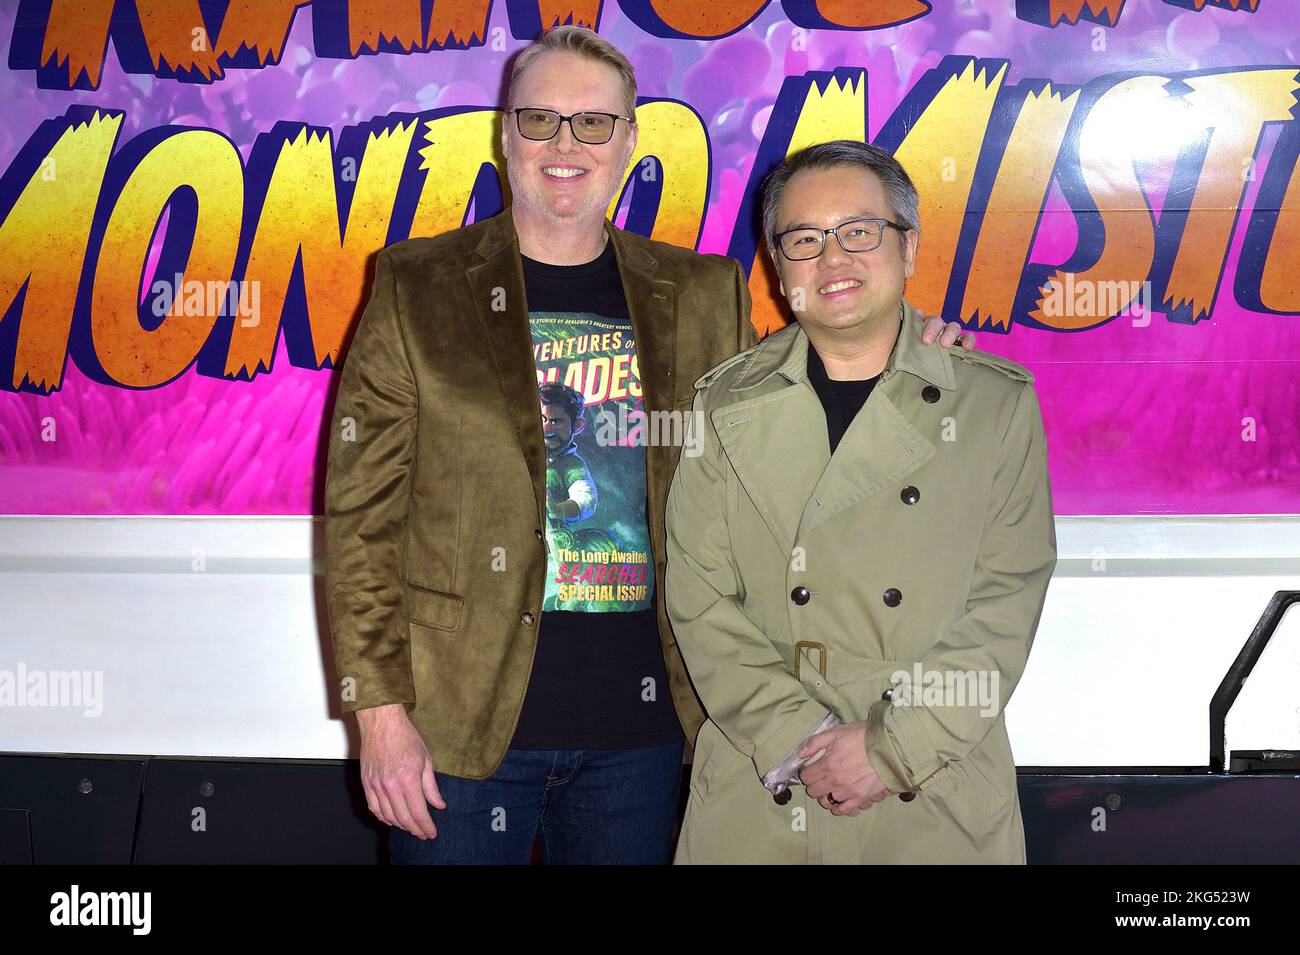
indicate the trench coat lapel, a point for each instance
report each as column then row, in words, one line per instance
column 778, row 445
column 879, row 448
column 776, row 439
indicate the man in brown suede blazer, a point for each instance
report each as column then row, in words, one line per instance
column 438, row 525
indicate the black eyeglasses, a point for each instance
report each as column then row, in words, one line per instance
column 855, row 235
column 594, row 129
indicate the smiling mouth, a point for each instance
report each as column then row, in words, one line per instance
column 563, row 172
column 839, row 286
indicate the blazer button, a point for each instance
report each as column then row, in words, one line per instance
column 782, row 797
column 800, row 595
column 930, row 393
column 910, row 495
column 539, row 533
column 527, row 619
column 893, row 597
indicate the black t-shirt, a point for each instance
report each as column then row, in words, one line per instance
column 598, row 678
column 841, row 400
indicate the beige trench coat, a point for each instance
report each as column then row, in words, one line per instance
column 798, row 583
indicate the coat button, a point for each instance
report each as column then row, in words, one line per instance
column 910, row 495
column 538, row 532
column 782, row 797
column 527, row 619
column 907, row 796
column 800, row 595
column 888, row 695
column 930, row 393
column 893, row 597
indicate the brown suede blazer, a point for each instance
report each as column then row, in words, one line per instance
column 435, row 493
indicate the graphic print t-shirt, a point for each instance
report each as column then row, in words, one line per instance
column 598, row 678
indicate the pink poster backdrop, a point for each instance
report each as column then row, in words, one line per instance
column 1088, row 145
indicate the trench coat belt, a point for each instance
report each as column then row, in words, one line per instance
column 837, row 666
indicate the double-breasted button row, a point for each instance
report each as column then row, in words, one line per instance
column 892, row 597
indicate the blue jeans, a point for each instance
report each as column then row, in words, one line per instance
column 588, row 806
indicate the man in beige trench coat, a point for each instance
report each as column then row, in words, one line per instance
column 896, row 582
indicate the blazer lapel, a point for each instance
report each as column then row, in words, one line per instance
column 652, row 307
column 498, row 280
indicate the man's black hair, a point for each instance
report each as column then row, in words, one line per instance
column 556, row 394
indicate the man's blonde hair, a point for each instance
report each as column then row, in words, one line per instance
column 584, row 43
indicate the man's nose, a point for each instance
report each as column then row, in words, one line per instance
column 833, row 253
column 564, row 141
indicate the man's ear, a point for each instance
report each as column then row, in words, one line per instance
column 776, row 267
column 911, row 241
column 579, row 426
column 631, row 144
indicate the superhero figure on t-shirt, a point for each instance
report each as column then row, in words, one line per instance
column 570, row 490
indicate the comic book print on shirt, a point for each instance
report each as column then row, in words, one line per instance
column 589, row 389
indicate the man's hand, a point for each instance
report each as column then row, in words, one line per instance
column 397, row 770
column 945, row 333
column 842, row 768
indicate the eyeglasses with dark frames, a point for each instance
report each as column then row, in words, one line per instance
column 854, row 235
column 592, row 128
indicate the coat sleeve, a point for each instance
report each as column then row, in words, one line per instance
column 1017, row 554
column 367, row 494
column 740, row 676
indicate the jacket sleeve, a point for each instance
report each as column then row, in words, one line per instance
column 740, row 676
column 746, row 334
column 367, row 493
column 908, row 743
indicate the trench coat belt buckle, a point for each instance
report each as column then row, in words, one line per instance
column 811, row 645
